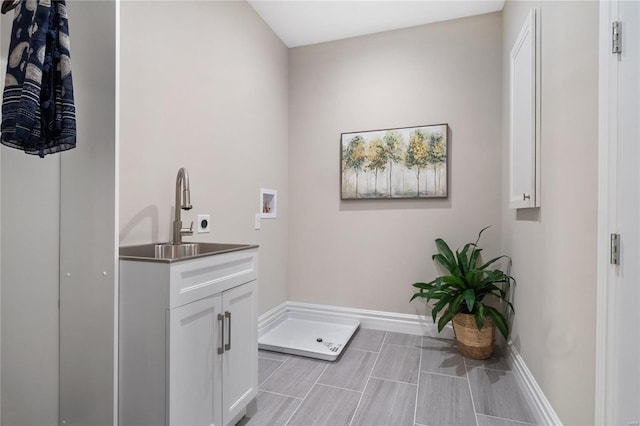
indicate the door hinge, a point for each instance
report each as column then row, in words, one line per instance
column 615, row 249
column 616, row 37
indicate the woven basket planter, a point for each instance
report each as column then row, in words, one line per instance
column 474, row 343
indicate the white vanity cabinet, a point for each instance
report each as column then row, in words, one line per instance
column 188, row 338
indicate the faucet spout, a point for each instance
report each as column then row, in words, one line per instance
column 182, row 203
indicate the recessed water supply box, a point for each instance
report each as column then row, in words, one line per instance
column 268, row 203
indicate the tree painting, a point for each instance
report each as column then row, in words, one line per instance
column 417, row 155
column 354, row 157
column 376, row 159
column 437, row 152
column 411, row 160
column 393, row 145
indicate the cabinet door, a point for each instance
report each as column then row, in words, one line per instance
column 194, row 387
column 525, row 117
column 240, row 359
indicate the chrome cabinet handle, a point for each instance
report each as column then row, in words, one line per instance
column 221, row 347
column 227, row 347
column 526, row 197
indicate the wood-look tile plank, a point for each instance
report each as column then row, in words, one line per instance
column 442, row 356
column 495, row 421
column 266, row 367
column 295, row 377
column 402, row 339
column 350, row 371
column 386, row 403
column 496, row 393
column 444, row 400
column 367, row 340
column 273, row 355
column 498, row 361
column 326, row 405
column 400, row 363
column 273, row 410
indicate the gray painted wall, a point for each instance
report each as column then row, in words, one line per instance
column 366, row 254
column 554, row 247
column 208, row 93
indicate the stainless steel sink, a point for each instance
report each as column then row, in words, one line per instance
column 167, row 252
column 173, row 251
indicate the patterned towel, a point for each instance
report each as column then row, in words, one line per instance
column 38, row 111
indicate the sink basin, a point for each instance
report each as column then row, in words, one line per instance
column 167, row 252
column 174, row 251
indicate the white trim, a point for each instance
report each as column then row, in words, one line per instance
column 378, row 320
column 607, row 202
column 535, row 398
column 116, row 236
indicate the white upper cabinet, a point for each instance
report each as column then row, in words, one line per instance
column 524, row 120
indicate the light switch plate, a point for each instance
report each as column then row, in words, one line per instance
column 257, row 222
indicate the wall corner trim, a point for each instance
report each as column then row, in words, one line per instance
column 532, row 393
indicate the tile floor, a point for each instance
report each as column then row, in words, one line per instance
column 385, row 378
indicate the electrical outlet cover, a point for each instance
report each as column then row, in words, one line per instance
column 204, row 224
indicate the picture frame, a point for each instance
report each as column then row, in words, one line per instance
column 397, row 163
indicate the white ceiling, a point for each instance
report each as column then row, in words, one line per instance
column 302, row 22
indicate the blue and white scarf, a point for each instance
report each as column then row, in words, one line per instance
column 38, row 111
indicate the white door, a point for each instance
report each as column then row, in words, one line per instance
column 623, row 393
column 194, row 382
column 627, row 411
column 240, row 359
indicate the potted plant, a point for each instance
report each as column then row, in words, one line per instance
column 464, row 293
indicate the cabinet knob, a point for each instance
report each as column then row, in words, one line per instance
column 526, row 197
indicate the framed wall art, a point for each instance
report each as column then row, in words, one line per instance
column 405, row 162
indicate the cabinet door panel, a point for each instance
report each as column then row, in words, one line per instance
column 240, row 361
column 525, row 117
column 194, row 383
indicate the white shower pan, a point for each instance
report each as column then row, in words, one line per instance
column 310, row 335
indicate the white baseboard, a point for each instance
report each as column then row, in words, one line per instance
column 538, row 402
column 378, row 320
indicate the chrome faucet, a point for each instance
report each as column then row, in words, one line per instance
column 184, row 203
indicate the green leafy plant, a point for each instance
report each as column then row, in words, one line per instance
column 467, row 286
